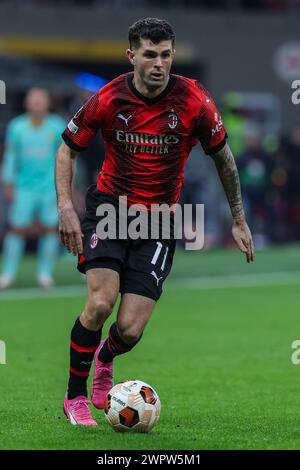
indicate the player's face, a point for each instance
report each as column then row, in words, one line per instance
column 153, row 62
column 37, row 102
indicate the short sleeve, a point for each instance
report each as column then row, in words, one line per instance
column 85, row 124
column 210, row 128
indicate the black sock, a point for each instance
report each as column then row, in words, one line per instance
column 114, row 345
column 83, row 345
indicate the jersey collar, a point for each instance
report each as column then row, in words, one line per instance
column 145, row 99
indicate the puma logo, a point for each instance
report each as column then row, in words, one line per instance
column 124, row 118
column 157, row 278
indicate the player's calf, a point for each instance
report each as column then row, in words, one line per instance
column 83, row 345
column 102, row 381
column 103, row 376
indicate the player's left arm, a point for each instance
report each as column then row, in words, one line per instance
column 229, row 177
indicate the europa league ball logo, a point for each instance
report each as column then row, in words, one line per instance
column 94, row 241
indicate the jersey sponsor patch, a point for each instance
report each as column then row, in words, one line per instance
column 72, row 127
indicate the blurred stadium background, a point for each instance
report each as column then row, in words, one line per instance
column 237, row 322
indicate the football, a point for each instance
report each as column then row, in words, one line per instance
column 132, row 406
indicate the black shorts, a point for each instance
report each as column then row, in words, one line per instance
column 143, row 264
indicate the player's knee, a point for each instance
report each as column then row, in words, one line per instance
column 99, row 307
column 129, row 333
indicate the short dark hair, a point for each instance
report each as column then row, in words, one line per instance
column 155, row 29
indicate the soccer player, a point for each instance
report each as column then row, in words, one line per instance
column 149, row 119
column 32, row 141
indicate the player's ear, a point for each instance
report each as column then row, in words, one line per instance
column 130, row 55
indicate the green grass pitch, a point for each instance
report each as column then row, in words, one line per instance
column 219, row 358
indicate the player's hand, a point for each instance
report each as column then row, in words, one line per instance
column 243, row 238
column 70, row 230
column 9, row 192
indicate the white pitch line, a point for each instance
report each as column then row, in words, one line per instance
column 236, row 281
column 194, row 283
column 38, row 292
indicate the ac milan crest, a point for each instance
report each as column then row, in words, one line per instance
column 94, row 241
column 173, row 120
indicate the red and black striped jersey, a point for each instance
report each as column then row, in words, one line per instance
column 147, row 140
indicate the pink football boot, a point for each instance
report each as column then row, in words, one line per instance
column 102, row 381
column 78, row 412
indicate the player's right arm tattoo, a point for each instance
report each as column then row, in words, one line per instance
column 64, row 175
column 229, row 177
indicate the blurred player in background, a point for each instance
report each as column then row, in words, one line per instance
column 32, row 141
column 150, row 120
